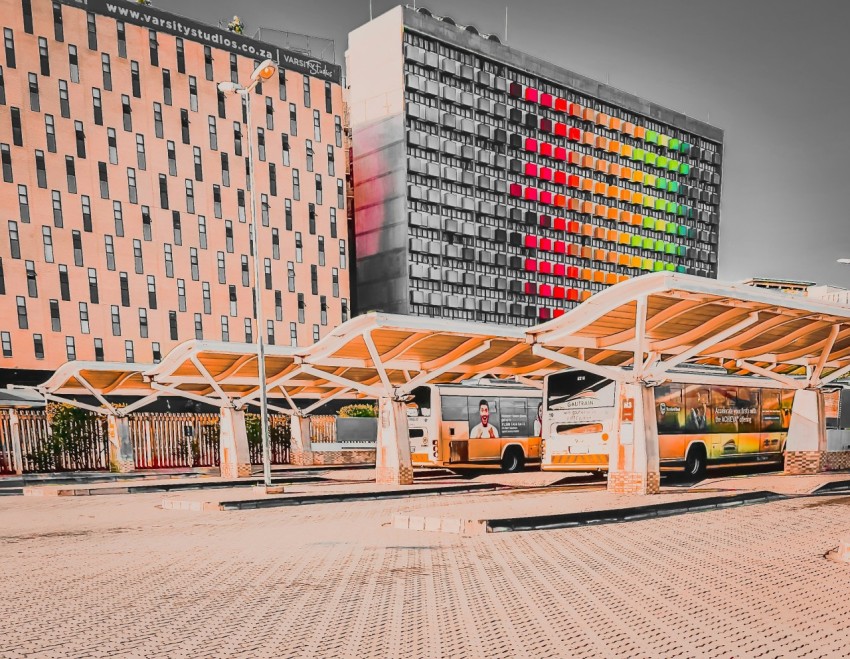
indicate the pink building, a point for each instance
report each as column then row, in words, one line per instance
column 125, row 198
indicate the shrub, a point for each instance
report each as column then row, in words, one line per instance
column 358, row 410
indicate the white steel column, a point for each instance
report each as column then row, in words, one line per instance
column 392, row 456
column 235, row 458
column 633, row 459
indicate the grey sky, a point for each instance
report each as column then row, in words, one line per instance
column 772, row 73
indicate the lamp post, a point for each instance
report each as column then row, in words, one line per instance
column 264, row 71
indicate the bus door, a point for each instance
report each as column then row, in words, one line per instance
column 454, row 429
column 749, row 430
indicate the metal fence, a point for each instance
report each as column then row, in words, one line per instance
column 163, row 439
column 279, row 439
column 7, row 449
column 82, row 446
column 323, row 429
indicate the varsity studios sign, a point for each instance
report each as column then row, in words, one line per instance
column 149, row 17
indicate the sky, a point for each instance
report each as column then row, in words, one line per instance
column 773, row 74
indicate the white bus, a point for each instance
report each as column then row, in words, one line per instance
column 715, row 422
column 476, row 424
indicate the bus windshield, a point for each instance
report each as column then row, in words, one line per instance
column 572, row 389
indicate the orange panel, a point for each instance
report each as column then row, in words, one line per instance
column 613, row 192
column 586, row 273
column 616, row 123
column 573, row 203
column 601, row 142
column 599, row 211
column 625, row 194
column 640, row 132
column 603, row 119
column 626, row 150
column 599, row 232
column 624, row 259
column 600, row 187
column 612, row 235
column 587, row 207
column 626, row 216
column 588, row 114
column 614, row 146
column 599, row 255
column 637, row 198
column 636, row 261
column 625, row 173
column 576, row 110
column 611, row 278
column 638, row 176
column 613, row 213
column 612, row 257
column 628, row 128
column 602, row 166
column 589, row 138
column 585, row 295
column 636, row 220
column 587, row 162
column 587, row 184
column 614, row 169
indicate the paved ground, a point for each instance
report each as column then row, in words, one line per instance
column 117, row 576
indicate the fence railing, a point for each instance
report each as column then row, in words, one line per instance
column 7, row 448
column 323, row 429
column 164, row 439
column 279, row 441
column 84, row 447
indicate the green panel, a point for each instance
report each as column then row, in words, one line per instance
column 648, row 243
column 648, row 222
column 663, row 140
column 651, row 158
column 659, row 246
column 681, row 268
column 669, row 267
column 692, row 233
column 660, row 225
column 691, row 213
column 670, row 248
column 672, row 207
column 637, row 241
column 662, row 161
column 660, row 204
column 674, row 186
column 647, row 264
column 648, row 202
column 661, row 183
column 683, row 230
column 649, row 180
column 659, row 266
column 684, row 168
column 682, row 210
column 674, row 144
column 683, row 250
column 651, row 137
column 684, row 147
column 672, row 228
column 638, row 155
column 673, row 165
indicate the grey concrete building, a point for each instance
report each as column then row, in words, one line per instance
column 493, row 186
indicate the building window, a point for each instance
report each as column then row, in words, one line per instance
column 290, row 276
column 104, row 180
column 190, row 196
column 233, row 300
column 207, row 297
column 98, row 350
column 157, row 120
column 64, row 287
column 284, row 140
column 84, row 318
column 6, row 340
column 15, row 240
column 169, row 260
column 47, row 242
column 163, row 191
column 267, row 270
column 340, row 194
column 106, row 67
column 126, row 116
column 171, row 151
column 237, row 138
column 208, row 63
column 275, row 244
column 40, row 170
column 94, row 296
column 225, row 328
column 138, row 261
column 17, row 136
column 331, row 163
column 202, row 232
column 23, row 204
column 335, row 282
column 193, row 262
column 91, row 29
column 314, row 279
column 328, row 98
column 152, row 291
column 299, row 257
column 199, row 326
column 35, row 97
column 278, row 306
column 109, row 244
column 249, row 331
column 43, row 56
column 301, row 308
column 333, row 222
column 184, row 126
column 9, row 45
column 269, row 114
column 166, row 87
column 122, row 39
column 97, row 108
column 56, row 198
column 181, row 56
column 26, row 7
column 132, row 189
column 172, row 325
column 261, row 145
column 344, row 309
column 213, row 133
column 6, row 156
column 156, row 352
column 228, row 236
column 281, row 78
column 38, row 346
column 287, row 206
column 70, row 348
column 225, row 170
column 245, row 272
column 129, row 354
column 296, row 185
column 146, row 223
column 317, row 126
column 32, row 282
column 222, row 274
column 315, row 333
column 323, row 308
column 135, row 81
column 264, row 209
column 196, row 158
column 70, row 174
column 293, row 335
column 338, row 131
column 272, row 179
column 154, row 48
column 23, row 321
column 342, row 257
column 143, row 322
column 293, row 120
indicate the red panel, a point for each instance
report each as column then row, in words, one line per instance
column 531, row 94
column 557, row 313
column 546, row 100
column 573, row 226
column 545, row 290
column 575, row 110
column 573, row 181
column 560, row 292
column 546, row 244
column 545, row 267
column 559, row 270
column 515, row 90
column 560, row 153
column 572, row 250
column 544, row 314
column 515, row 190
column 572, row 294
column 573, row 204
column 530, row 144
column 559, row 224
column 530, row 169
column 530, row 288
column 560, row 247
column 545, row 197
column 546, row 149
column 531, row 265
column 561, row 105
column 531, row 193
column 561, row 129
column 574, row 134
column 560, row 175
column 545, row 173
column 560, row 201
column 545, row 221
column 572, row 271
column 531, row 241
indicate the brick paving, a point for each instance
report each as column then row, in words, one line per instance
column 116, row 576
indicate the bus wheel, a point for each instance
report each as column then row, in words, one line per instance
column 695, row 462
column 513, row 460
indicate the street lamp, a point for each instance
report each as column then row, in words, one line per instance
column 264, row 71
column 844, row 261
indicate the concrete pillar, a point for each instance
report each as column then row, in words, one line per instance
column 805, row 447
column 300, row 447
column 392, row 455
column 235, row 459
column 17, row 452
column 121, row 458
column 633, row 466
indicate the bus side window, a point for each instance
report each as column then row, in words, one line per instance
column 669, row 410
column 771, row 415
column 787, row 406
column 724, row 404
column 697, row 408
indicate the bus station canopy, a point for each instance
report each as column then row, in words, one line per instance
column 655, row 322
column 644, row 326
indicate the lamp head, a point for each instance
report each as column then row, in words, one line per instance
column 229, row 87
column 844, row 261
column 265, row 70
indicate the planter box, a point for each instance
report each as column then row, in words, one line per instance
column 357, row 430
